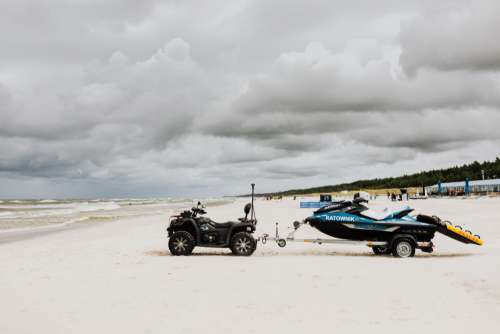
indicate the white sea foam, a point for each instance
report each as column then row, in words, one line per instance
column 48, row 201
column 44, row 227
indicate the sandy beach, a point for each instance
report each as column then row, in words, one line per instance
column 118, row 277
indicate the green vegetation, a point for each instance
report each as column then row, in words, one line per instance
column 457, row 173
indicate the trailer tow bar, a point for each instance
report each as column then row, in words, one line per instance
column 282, row 242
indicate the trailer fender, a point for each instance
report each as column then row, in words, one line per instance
column 405, row 236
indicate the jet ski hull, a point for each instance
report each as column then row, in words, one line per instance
column 354, row 226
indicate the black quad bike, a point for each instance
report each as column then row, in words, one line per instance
column 190, row 229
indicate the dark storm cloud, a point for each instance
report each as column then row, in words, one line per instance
column 432, row 130
column 318, row 80
column 122, row 97
column 150, row 100
column 318, row 92
column 267, row 125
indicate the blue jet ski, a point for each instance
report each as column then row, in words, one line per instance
column 395, row 232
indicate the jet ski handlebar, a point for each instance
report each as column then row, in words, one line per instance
column 359, row 200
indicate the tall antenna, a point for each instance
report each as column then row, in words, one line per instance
column 252, row 214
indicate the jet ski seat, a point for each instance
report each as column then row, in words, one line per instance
column 376, row 215
column 386, row 213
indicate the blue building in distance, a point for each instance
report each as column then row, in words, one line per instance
column 465, row 187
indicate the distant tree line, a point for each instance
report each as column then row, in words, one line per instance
column 472, row 171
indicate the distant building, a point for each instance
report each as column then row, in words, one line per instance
column 325, row 198
column 465, row 187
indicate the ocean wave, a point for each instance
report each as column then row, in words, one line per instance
column 48, row 201
column 10, row 205
column 5, row 214
column 54, row 210
column 53, row 226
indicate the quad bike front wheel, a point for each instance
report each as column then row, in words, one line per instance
column 243, row 244
column 181, row 243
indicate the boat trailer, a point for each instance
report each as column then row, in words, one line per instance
column 444, row 227
column 282, row 242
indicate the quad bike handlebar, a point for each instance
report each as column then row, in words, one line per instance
column 197, row 210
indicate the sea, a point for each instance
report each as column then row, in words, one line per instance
column 26, row 214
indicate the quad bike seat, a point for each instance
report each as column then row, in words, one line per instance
column 223, row 225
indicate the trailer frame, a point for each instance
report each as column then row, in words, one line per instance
column 282, row 242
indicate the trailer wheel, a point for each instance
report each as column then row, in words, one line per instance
column 281, row 243
column 458, row 226
column 403, row 247
column 381, row 250
column 477, row 236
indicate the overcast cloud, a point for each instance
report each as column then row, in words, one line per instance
column 195, row 98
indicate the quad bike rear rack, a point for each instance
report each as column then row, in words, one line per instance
column 282, row 242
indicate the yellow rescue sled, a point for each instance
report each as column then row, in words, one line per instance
column 456, row 232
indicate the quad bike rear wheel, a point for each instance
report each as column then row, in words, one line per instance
column 403, row 247
column 243, row 244
column 181, row 243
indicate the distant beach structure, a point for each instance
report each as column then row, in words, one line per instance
column 465, row 187
column 325, row 198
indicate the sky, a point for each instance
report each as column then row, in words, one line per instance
column 126, row 98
